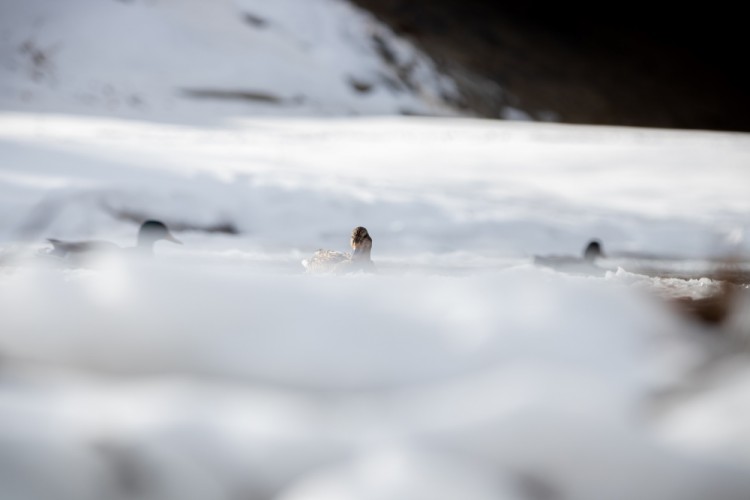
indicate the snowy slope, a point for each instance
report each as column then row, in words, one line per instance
column 178, row 59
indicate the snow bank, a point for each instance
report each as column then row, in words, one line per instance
column 163, row 379
column 322, row 332
column 199, row 61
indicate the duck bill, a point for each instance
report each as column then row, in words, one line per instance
column 170, row 237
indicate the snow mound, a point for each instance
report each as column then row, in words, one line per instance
column 166, row 380
column 201, row 60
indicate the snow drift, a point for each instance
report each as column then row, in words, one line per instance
column 175, row 60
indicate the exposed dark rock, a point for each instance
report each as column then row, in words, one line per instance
column 643, row 65
column 254, row 21
column 360, row 86
column 229, row 94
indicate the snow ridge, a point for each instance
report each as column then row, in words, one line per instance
column 190, row 59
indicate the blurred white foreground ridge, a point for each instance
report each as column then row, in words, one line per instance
column 202, row 380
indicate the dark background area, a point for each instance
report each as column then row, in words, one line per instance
column 620, row 63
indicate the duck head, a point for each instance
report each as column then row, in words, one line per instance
column 361, row 244
column 152, row 231
column 593, row 251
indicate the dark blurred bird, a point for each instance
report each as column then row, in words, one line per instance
column 331, row 261
column 586, row 264
column 593, row 251
column 150, row 232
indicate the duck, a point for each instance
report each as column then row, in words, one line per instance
column 332, row 261
column 593, row 251
column 149, row 233
column 586, row 264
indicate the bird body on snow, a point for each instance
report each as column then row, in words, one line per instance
column 149, row 233
column 331, row 261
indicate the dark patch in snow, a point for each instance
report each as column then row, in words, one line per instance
column 135, row 101
column 39, row 60
column 391, row 82
column 254, row 21
column 411, row 112
column 402, row 70
column 244, row 95
column 224, row 227
column 130, row 475
column 360, row 86
column 384, row 50
column 535, row 487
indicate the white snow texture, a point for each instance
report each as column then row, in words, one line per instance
column 460, row 370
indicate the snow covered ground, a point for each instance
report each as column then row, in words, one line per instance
column 219, row 370
column 460, row 370
column 421, row 186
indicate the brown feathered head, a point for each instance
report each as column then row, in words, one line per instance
column 361, row 243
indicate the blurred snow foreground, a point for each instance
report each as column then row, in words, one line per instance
column 219, row 370
column 201, row 380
